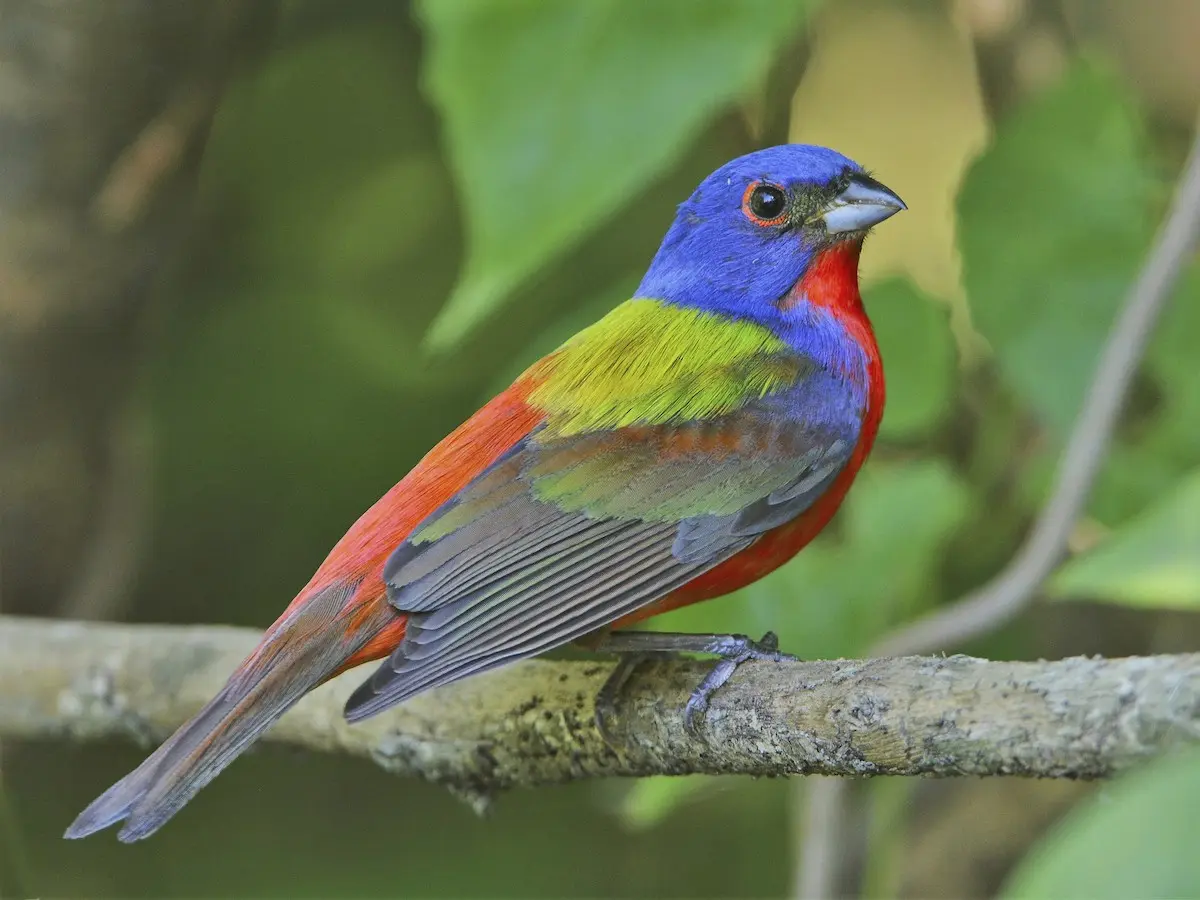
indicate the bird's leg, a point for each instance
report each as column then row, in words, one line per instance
column 629, row 658
column 606, row 697
column 636, row 646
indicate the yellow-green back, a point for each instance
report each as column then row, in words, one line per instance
column 649, row 362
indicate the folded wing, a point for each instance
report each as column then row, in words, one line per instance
column 566, row 534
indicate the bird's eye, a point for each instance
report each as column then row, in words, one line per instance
column 765, row 204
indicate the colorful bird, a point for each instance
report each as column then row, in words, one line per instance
column 685, row 445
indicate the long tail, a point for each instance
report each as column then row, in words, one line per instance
column 315, row 639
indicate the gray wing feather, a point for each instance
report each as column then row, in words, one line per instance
column 523, row 576
column 531, row 612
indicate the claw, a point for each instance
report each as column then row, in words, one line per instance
column 734, row 649
column 637, row 646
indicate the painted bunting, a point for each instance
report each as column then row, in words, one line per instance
column 685, row 445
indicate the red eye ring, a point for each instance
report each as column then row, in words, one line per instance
column 759, row 199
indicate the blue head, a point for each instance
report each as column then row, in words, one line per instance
column 750, row 230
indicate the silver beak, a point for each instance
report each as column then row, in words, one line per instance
column 863, row 204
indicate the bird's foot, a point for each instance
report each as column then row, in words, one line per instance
column 734, row 649
column 635, row 647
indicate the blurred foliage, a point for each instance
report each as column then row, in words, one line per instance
column 1153, row 561
column 1053, row 219
column 556, row 113
column 1136, row 839
column 913, row 333
column 651, row 800
column 402, row 208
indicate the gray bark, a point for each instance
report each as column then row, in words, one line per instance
column 532, row 723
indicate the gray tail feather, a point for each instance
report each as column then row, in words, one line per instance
column 118, row 802
column 297, row 654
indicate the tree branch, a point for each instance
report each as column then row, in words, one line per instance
column 531, row 723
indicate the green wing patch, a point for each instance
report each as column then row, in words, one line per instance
column 661, row 474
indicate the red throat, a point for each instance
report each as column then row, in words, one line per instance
column 831, row 281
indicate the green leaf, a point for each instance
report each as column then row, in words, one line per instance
column 837, row 596
column 370, row 226
column 1163, row 442
column 334, row 213
column 557, row 113
column 1152, row 561
column 918, row 358
column 1135, row 839
column 281, row 172
column 377, row 270
column 1172, row 362
column 650, row 800
column 1053, row 220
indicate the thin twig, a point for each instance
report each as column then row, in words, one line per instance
column 818, row 804
column 154, row 157
column 1013, row 589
